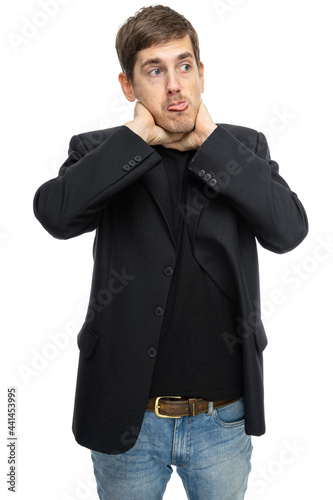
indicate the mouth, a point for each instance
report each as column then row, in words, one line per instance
column 178, row 106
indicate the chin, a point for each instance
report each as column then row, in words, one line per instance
column 178, row 126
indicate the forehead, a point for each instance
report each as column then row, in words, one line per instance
column 167, row 51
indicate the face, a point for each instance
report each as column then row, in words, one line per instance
column 168, row 82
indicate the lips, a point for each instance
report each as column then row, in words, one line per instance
column 178, row 106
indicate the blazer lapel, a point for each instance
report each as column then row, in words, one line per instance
column 157, row 183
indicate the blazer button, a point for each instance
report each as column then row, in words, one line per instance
column 151, row 351
column 212, row 182
column 132, row 163
column 168, row 271
column 201, row 173
column 137, row 158
column 126, row 167
column 158, row 311
column 207, row 177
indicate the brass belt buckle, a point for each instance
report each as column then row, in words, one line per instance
column 157, row 407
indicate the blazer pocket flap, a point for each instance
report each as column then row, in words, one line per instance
column 86, row 341
column 260, row 336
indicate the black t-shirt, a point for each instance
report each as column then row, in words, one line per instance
column 193, row 359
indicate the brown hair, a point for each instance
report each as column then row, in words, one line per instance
column 149, row 26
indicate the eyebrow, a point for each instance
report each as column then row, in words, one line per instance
column 158, row 60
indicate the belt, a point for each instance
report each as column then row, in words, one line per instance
column 185, row 407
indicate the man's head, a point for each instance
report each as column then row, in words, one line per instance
column 158, row 50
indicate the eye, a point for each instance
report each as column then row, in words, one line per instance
column 186, row 66
column 152, row 72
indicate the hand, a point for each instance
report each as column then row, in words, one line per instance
column 144, row 125
column 204, row 126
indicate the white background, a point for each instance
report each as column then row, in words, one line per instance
column 263, row 59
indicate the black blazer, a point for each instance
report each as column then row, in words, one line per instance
column 113, row 182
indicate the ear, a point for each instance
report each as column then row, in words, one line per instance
column 127, row 87
column 201, row 73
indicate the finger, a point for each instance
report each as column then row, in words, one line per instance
column 175, row 137
column 173, row 145
column 167, row 137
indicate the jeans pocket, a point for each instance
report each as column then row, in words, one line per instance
column 230, row 415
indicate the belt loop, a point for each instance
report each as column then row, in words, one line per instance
column 210, row 407
column 193, row 407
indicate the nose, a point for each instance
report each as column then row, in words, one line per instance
column 172, row 84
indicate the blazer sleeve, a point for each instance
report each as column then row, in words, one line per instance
column 72, row 203
column 252, row 184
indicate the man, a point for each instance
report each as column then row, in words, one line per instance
column 177, row 203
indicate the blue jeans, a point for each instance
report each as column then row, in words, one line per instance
column 210, row 451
